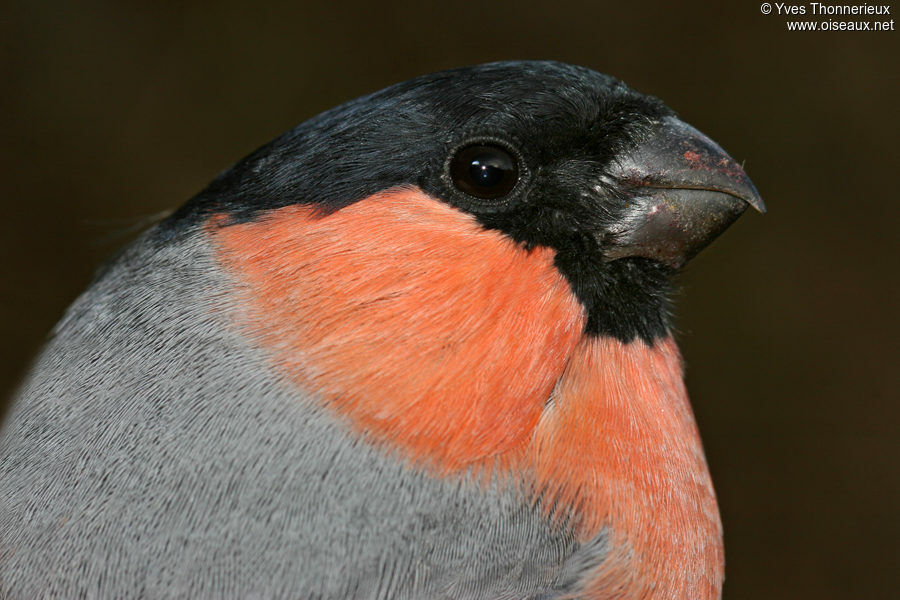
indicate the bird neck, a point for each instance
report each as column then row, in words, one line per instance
column 620, row 443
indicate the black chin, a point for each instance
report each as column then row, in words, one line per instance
column 626, row 299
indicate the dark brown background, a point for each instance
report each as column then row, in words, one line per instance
column 112, row 112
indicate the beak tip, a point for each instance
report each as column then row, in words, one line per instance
column 750, row 195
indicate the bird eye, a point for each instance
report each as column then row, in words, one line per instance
column 484, row 171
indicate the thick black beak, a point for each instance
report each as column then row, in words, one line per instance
column 683, row 191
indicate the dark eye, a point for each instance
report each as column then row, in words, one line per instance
column 484, row 171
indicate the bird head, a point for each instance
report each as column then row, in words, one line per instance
column 550, row 155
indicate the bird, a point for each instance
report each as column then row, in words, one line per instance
column 420, row 347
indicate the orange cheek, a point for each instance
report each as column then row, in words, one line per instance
column 429, row 333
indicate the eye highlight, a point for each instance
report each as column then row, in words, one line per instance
column 484, row 171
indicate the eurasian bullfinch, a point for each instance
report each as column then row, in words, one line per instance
column 417, row 347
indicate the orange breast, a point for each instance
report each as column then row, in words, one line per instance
column 619, row 442
column 458, row 348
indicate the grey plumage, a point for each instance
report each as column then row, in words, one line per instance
column 154, row 453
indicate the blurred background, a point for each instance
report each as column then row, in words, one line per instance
column 114, row 112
